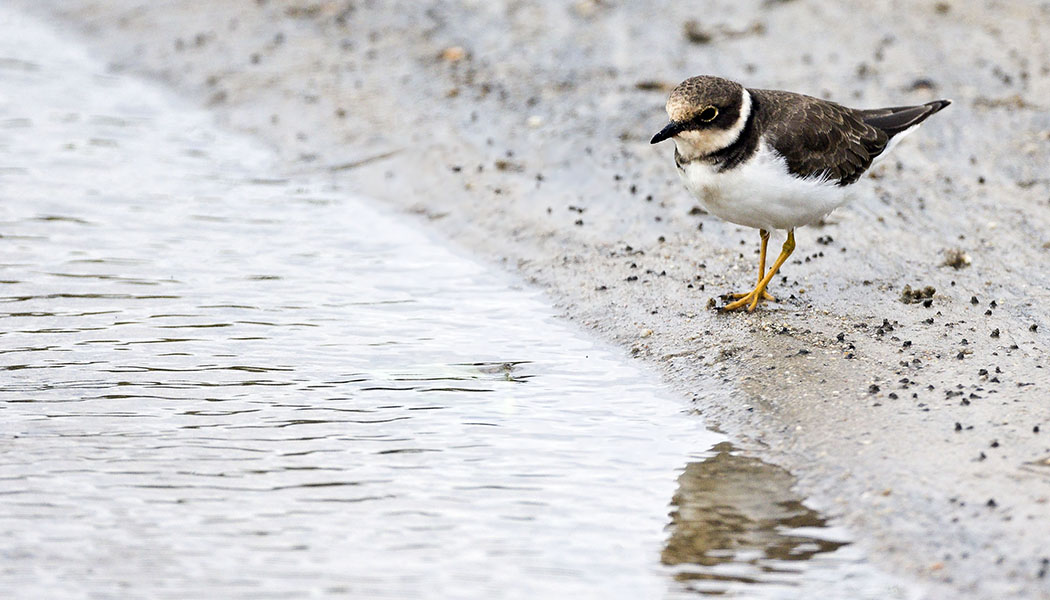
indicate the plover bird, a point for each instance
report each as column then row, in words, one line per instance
column 770, row 159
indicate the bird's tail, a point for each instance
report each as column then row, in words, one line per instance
column 901, row 118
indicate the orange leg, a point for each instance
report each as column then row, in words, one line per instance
column 751, row 298
column 764, row 236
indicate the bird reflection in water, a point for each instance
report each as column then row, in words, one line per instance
column 736, row 520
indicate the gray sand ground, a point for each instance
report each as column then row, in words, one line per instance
column 918, row 427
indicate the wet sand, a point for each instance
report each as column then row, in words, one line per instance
column 522, row 132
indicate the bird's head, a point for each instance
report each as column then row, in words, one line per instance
column 707, row 114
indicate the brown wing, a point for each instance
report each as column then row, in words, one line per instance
column 819, row 138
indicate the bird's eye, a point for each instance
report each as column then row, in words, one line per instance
column 708, row 114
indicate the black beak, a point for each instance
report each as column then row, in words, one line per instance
column 671, row 130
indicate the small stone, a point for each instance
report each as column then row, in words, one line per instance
column 453, row 54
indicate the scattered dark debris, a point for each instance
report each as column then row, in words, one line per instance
column 601, row 288
column 652, row 85
column 824, row 240
column 1034, row 327
column 885, row 327
column 695, row 34
column 632, row 278
column 910, row 296
column 956, row 258
column 995, row 444
column 579, row 222
column 995, row 332
column 922, row 84
column 506, row 165
column 303, row 12
column 873, row 389
column 974, row 301
column 958, row 426
column 696, row 210
column 991, row 503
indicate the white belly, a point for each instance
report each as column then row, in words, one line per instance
column 761, row 193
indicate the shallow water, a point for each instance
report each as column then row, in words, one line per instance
column 216, row 381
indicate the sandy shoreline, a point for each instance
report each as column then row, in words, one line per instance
column 920, row 428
